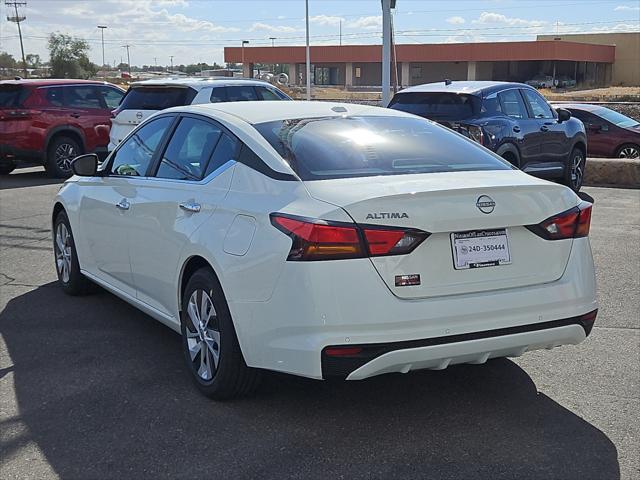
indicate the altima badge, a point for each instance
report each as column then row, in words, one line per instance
column 485, row 204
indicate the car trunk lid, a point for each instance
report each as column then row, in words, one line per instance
column 447, row 203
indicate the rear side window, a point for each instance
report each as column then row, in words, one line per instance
column 157, row 98
column 85, row 97
column 226, row 150
column 189, row 150
column 437, row 106
column 512, row 104
column 12, row 95
column 241, row 93
column 340, row 147
column 219, row 94
column 55, row 96
column 134, row 155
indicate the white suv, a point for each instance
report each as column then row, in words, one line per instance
column 149, row 96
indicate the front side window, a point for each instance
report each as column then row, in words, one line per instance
column 512, row 104
column 85, row 97
column 340, row 147
column 189, row 149
column 241, row 93
column 539, row 106
column 134, row 155
column 55, row 96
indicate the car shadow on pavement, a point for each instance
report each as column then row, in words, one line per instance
column 102, row 391
column 28, row 178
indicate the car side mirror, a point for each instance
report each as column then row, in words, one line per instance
column 85, row 165
column 563, row 115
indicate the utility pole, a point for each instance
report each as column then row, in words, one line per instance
column 171, row 58
column 306, row 5
column 340, row 32
column 128, row 59
column 102, row 27
column 17, row 19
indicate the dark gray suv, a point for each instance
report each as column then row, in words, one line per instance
column 511, row 119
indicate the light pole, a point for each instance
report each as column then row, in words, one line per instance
column 171, row 59
column 102, row 27
column 243, row 43
column 306, row 5
column 272, row 45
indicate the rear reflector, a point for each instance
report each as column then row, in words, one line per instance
column 314, row 239
column 342, row 351
column 573, row 223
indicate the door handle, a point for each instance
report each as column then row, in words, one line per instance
column 192, row 207
column 74, row 115
column 544, row 128
column 123, row 204
column 516, row 129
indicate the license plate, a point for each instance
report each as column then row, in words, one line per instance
column 486, row 248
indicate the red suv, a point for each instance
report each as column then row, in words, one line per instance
column 50, row 122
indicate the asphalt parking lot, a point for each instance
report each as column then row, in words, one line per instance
column 92, row 388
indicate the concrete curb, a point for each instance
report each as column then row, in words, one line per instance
column 616, row 172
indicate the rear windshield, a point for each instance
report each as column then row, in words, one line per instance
column 12, row 95
column 340, row 147
column 156, row 98
column 437, row 106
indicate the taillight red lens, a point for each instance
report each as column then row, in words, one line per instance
column 342, row 351
column 573, row 223
column 321, row 240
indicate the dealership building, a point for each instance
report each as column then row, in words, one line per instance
column 590, row 59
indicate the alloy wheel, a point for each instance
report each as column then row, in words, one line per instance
column 63, row 252
column 577, row 170
column 629, row 152
column 203, row 335
column 64, row 154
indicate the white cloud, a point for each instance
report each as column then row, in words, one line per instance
column 330, row 20
column 455, row 20
column 627, row 8
column 497, row 18
column 265, row 27
column 367, row 23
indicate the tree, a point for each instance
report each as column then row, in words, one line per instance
column 69, row 57
column 6, row 60
column 33, row 60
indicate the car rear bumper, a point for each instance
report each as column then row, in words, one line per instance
column 345, row 303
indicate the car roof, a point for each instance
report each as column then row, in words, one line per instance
column 39, row 82
column 587, row 107
column 260, row 111
column 197, row 83
column 466, row 86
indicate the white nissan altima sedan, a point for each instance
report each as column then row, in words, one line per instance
column 326, row 240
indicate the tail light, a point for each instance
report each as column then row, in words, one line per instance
column 474, row 132
column 314, row 239
column 573, row 223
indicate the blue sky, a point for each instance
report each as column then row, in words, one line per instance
column 198, row 30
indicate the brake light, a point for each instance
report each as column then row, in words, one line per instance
column 573, row 223
column 342, row 351
column 322, row 240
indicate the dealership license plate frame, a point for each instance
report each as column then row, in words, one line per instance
column 483, row 259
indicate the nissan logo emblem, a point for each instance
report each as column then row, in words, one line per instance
column 485, row 204
column 139, row 115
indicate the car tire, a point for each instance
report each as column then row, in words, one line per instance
column 61, row 151
column 6, row 167
column 209, row 341
column 72, row 281
column 628, row 150
column 574, row 170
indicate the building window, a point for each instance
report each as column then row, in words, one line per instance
column 416, row 72
column 358, row 72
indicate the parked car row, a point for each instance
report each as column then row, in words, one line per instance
column 50, row 122
column 548, row 81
